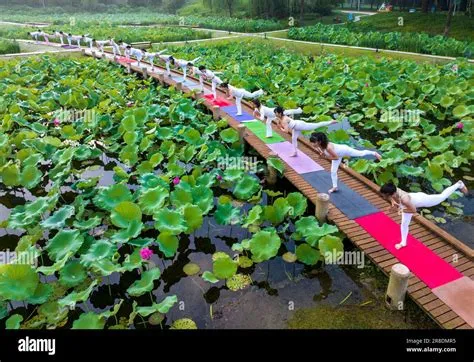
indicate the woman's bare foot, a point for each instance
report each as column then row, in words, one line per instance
column 294, row 154
column 463, row 188
column 334, row 189
column 377, row 156
column 399, row 246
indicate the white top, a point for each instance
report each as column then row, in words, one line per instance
column 165, row 57
column 136, row 52
column 87, row 39
column 149, row 55
column 102, row 42
column 236, row 92
column 267, row 112
column 207, row 74
column 34, row 33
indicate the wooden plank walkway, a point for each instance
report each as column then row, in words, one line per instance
column 437, row 240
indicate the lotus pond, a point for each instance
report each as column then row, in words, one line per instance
column 107, row 31
column 373, row 97
column 123, row 218
column 138, row 16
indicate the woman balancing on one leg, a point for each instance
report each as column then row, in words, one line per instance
column 288, row 124
column 335, row 152
column 208, row 75
column 407, row 203
column 239, row 94
column 267, row 115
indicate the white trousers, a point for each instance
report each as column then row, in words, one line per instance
column 215, row 82
column 247, row 95
column 420, row 199
column 300, row 126
column 345, row 151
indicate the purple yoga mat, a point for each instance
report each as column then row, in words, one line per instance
column 232, row 111
column 301, row 163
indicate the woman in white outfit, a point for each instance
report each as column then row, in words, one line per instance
column 407, row 203
column 60, row 35
column 88, row 40
column 35, row 34
column 209, row 76
column 239, row 94
column 335, row 152
column 183, row 64
column 77, row 38
column 45, row 36
column 134, row 52
column 165, row 58
column 267, row 115
column 101, row 43
column 288, row 125
column 115, row 47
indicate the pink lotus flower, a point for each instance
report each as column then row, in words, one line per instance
column 176, row 181
column 130, row 104
column 219, row 177
column 366, row 85
column 146, row 253
column 56, row 122
column 460, row 125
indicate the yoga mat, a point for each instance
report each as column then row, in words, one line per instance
column 260, row 130
column 352, row 204
column 221, row 102
column 125, row 60
column 232, row 111
column 459, row 296
column 422, row 262
column 301, row 163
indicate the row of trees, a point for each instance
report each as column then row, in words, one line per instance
column 424, row 5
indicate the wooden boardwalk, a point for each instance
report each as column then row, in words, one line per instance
column 437, row 240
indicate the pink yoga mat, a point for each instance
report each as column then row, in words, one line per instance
column 459, row 296
column 125, row 60
column 422, row 262
column 218, row 102
column 301, row 163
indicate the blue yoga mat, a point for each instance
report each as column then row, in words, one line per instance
column 349, row 202
column 232, row 111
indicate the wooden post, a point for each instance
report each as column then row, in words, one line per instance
column 94, row 55
column 83, row 51
column 145, row 72
column 272, row 173
column 129, row 68
column 322, row 207
column 179, row 86
column 397, row 287
column 216, row 113
column 242, row 128
column 161, row 78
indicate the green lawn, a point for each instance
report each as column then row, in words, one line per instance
column 462, row 27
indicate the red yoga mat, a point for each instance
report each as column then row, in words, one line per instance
column 125, row 60
column 422, row 262
column 218, row 102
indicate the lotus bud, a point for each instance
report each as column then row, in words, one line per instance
column 56, row 122
column 219, row 177
column 176, row 181
column 146, row 253
column 460, row 125
column 130, row 104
